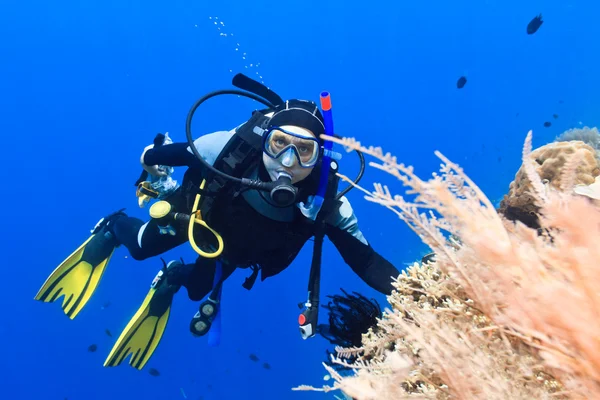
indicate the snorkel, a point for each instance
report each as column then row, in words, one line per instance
column 308, row 320
column 314, row 206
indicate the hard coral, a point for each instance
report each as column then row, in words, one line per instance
column 549, row 161
column 587, row 135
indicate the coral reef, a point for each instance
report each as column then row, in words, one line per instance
column 503, row 312
column 550, row 161
column 589, row 136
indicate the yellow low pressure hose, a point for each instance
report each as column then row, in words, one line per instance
column 196, row 218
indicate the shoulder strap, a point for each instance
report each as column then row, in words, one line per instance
column 240, row 152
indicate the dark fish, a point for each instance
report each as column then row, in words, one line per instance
column 547, row 124
column 92, row 348
column 154, row 372
column 266, row 365
column 253, row 357
column 461, row 82
column 555, row 116
column 106, row 305
column 560, row 101
column 499, row 159
column 108, row 333
column 534, row 25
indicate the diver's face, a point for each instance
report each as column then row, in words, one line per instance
column 288, row 163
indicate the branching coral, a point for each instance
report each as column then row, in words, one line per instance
column 502, row 313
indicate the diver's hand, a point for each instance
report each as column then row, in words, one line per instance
column 153, row 170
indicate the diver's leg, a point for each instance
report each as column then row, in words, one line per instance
column 145, row 240
column 78, row 276
column 198, row 278
column 203, row 281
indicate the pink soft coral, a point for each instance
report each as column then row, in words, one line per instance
column 504, row 312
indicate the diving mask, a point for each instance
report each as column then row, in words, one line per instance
column 283, row 145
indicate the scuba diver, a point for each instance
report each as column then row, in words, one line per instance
column 256, row 193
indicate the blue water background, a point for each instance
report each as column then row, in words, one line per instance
column 85, row 86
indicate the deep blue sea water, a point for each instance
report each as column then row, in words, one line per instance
column 85, row 86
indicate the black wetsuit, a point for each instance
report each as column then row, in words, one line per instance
column 251, row 239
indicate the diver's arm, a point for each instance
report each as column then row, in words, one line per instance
column 173, row 155
column 370, row 266
column 179, row 154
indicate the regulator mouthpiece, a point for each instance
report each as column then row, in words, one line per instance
column 283, row 192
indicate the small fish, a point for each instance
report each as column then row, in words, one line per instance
column 253, row 357
column 108, row 333
column 92, row 348
column 555, row 116
column 534, row 25
column 105, row 305
column 154, row 372
column 547, row 124
column 266, row 365
column 462, row 81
